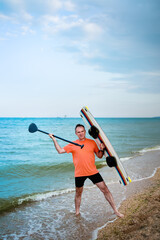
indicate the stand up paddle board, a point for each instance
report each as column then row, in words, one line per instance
column 97, row 133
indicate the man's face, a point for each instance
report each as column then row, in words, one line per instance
column 80, row 132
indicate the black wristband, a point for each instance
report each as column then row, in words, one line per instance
column 101, row 150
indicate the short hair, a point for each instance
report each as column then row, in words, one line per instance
column 79, row 125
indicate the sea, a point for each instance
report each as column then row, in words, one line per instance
column 37, row 184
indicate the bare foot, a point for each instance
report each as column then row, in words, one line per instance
column 78, row 214
column 120, row 215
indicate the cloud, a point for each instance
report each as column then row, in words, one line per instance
column 92, row 30
column 53, row 24
column 53, row 5
column 116, row 36
column 26, row 16
column 5, row 17
column 69, row 6
column 148, row 82
column 61, row 24
column 27, row 29
column 61, row 16
column 135, row 82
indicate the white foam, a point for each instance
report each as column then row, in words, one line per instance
column 95, row 232
column 152, row 175
column 125, row 158
column 43, row 196
column 149, row 149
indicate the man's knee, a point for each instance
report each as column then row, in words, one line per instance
column 102, row 186
column 79, row 191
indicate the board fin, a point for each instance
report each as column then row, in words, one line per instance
column 111, row 161
column 93, row 132
column 129, row 179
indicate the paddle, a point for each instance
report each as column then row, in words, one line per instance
column 33, row 128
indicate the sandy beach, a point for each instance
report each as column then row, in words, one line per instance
column 142, row 213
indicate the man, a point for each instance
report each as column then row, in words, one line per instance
column 84, row 162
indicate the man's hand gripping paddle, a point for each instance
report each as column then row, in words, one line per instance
column 33, row 128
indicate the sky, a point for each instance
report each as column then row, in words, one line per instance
column 57, row 56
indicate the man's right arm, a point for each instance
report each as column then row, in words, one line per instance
column 57, row 147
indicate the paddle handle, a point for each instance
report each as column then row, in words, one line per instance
column 81, row 146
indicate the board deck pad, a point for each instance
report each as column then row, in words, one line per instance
column 109, row 151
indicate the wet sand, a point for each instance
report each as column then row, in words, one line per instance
column 142, row 213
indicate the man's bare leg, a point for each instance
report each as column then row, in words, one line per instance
column 102, row 186
column 78, row 196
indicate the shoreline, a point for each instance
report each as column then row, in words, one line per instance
column 141, row 210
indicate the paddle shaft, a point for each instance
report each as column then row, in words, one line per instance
column 62, row 139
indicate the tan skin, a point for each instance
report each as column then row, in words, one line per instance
column 81, row 134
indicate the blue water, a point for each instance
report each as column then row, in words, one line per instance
column 29, row 163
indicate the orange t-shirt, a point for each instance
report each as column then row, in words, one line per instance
column 83, row 159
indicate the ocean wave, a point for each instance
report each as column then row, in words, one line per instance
column 149, row 149
column 28, row 170
column 140, row 152
column 12, row 203
column 36, row 170
column 123, row 159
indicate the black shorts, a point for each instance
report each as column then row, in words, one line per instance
column 96, row 178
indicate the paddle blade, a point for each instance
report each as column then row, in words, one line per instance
column 32, row 128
